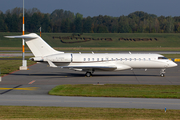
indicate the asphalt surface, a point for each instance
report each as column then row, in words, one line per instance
column 100, row 102
column 30, row 88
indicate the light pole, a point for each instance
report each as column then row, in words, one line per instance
column 24, row 62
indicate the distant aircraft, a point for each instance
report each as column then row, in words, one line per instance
column 91, row 62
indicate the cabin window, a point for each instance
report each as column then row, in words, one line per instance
column 130, row 59
column 101, row 59
column 112, row 59
column 149, row 59
column 134, row 59
column 88, row 59
column 107, row 59
column 139, row 59
column 144, row 59
column 125, row 59
column 84, row 59
column 92, row 59
column 97, row 59
column 116, row 59
column 120, row 59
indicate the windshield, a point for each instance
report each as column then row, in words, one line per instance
column 162, row 58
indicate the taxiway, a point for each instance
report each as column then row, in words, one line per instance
column 30, row 88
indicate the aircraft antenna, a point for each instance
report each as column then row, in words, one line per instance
column 40, row 31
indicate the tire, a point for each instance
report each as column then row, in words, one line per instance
column 162, row 75
column 88, row 74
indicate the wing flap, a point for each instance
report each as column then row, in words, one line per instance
column 96, row 67
column 108, row 68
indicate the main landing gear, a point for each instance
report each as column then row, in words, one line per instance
column 162, row 72
column 88, row 74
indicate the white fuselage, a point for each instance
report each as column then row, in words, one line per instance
column 121, row 61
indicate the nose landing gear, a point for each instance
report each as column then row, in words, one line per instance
column 162, row 72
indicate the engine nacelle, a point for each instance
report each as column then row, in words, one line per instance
column 62, row 57
column 37, row 59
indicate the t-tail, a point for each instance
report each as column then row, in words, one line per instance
column 37, row 45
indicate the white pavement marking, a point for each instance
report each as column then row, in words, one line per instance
column 32, row 82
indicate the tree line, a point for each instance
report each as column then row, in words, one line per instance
column 62, row 21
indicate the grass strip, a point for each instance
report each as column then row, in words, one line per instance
column 118, row 49
column 8, row 66
column 118, row 90
column 171, row 55
column 49, row 113
column 163, row 40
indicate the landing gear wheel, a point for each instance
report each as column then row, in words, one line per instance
column 162, row 75
column 162, row 72
column 88, row 74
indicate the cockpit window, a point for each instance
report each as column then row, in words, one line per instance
column 162, row 58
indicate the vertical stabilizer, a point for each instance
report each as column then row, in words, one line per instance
column 37, row 45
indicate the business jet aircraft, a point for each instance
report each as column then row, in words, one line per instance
column 91, row 62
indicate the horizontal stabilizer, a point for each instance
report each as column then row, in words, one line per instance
column 21, row 36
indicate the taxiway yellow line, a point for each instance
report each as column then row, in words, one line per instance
column 28, row 88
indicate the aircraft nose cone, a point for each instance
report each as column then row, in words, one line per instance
column 173, row 64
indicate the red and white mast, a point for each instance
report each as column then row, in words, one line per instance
column 24, row 62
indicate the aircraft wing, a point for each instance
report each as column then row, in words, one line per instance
column 106, row 67
column 96, row 67
column 91, row 67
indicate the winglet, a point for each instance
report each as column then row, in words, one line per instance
column 51, row 64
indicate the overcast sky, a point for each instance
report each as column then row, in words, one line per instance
column 92, row 8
